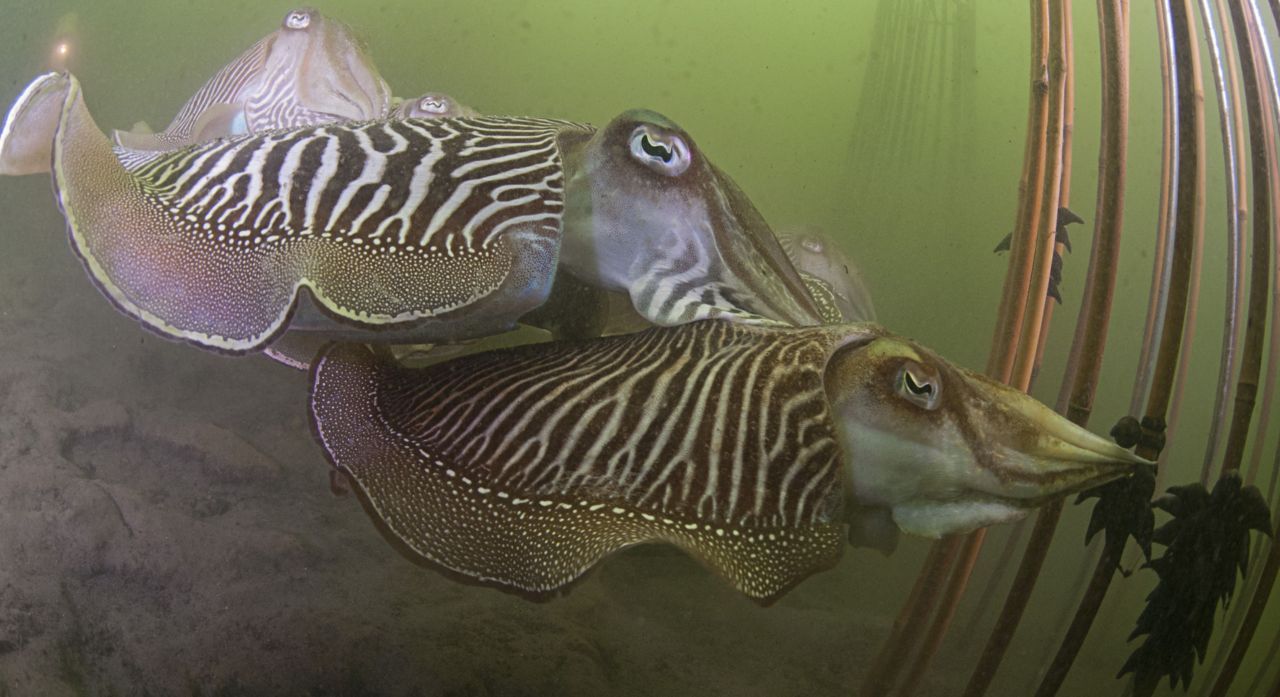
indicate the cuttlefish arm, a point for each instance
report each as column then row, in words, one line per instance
column 310, row 71
column 397, row 231
column 649, row 215
column 522, row 469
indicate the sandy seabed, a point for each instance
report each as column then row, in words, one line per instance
column 166, row 528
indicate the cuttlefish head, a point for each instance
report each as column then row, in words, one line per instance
column 433, row 105
column 647, row 213
column 947, row 450
column 813, row 252
column 325, row 67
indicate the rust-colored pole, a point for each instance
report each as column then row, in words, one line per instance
column 1180, row 43
column 1226, row 77
column 1085, row 361
column 904, row 637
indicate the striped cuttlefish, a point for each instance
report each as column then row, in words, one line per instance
column 405, row 230
column 755, row 449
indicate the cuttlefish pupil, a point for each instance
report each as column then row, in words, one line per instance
column 298, row 19
column 665, row 153
column 433, row 105
column 919, row 385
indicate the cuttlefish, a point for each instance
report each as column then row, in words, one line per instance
column 407, row 230
column 832, row 277
column 433, row 105
column 310, row 71
column 746, row 446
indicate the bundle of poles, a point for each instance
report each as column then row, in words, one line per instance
column 1244, row 82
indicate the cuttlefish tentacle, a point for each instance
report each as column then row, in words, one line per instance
column 312, row 70
column 427, row 228
column 649, row 215
column 523, row 468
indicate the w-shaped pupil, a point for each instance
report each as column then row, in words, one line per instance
column 916, row 388
column 657, row 150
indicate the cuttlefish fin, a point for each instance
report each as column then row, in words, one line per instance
column 219, row 121
column 824, row 297
column 146, row 261
column 449, row 508
column 26, row 142
column 140, row 140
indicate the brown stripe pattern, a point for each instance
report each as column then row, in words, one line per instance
column 713, row 436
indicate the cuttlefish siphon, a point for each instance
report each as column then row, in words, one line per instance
column 408, row 230
column 746, row 446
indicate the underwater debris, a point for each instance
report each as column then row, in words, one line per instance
column 1065, row 217
column 1206, row 544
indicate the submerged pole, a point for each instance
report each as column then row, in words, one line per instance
column 929, row 585
column 1186, row 157
column 1084, row 363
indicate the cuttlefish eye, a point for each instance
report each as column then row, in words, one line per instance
column 812, row 245
column 920, row 385
column 665, row 153
column 433, row 105
column 298, row 19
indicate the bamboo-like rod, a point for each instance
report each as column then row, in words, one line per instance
column 1180, row 43
column 1226, row 78
column 929, row 583
column 1021, row 346
column 1046, row 223
column 1023, row 243
column 911, row 616
column 1257, row 605
column 1188, row 218
column 1273, row 357
column 1262, row 148
column 961, row 571
column 1163, row 253
column 1084, row 363
column 1272, row 649
column 1262, row 102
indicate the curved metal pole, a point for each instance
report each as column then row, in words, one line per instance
column 930, row 582
column 1180, row 44
column 1163, row 257
column 1262, row 99
column 1226, row 78
column 1085, row 358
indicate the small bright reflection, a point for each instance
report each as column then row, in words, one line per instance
column 63, row 48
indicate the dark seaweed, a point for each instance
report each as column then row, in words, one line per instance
column 1206, row 544
column 1123, row 510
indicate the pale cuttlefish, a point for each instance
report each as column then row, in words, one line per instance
column 749, row 447
column 408, row 230
column 312, row 70
column 832, row 276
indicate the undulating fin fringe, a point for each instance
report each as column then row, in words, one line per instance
column 384, row 223
column 522, row 468
column 26, row 140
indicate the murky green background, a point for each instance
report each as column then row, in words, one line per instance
column 904, row 141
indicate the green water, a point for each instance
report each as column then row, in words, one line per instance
column 910, row 157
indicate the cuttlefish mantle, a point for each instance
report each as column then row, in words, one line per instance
column 745, row 446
